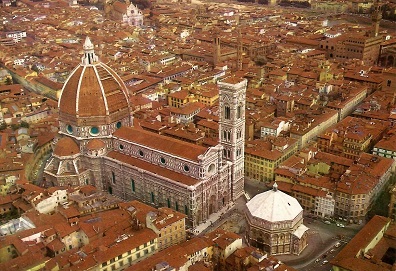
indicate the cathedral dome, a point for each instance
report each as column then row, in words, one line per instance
column 274, row 206
column 93, row 94
column 66, row 147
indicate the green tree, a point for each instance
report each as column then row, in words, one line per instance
column 24, row 124
column 14, row 126
column 9, row 81
column 3, row 126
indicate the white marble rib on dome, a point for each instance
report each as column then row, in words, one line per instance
column 273, row 206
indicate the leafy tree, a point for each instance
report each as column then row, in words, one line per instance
column 24, row 124
column 3, row 126
column 9, row 81
column 14, row 126
column 142, row 4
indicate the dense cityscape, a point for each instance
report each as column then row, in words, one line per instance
column 197, row 135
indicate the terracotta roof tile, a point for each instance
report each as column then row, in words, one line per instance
column 160, row 143
column 66, row 147
column 153, row 169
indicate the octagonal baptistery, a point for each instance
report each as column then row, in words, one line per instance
column 94, row 101
column 275, row 223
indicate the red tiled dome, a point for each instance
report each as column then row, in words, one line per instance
column 95, row 144
column 93, row 91
column 66, row 147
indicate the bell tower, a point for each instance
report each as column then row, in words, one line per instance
column 216, row 48
column 376, row 17
column 232, row 129
column 239, row 50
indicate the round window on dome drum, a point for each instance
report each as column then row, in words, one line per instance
column 121, row 147
column 162, row 160
column 118, row 125
column 69, row 129
column 186, row 168
column 94, row 130
column 141, row 153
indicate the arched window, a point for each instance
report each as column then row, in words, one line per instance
column 227, row 112
column 113, row 177
column 152, row 197
column 239, row 111
column 133, row 185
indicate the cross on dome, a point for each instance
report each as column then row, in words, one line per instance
column 89, row 57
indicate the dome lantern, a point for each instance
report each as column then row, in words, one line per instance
column 89, row 57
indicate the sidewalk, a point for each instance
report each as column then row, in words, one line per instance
column 213, row 219
column 217, row 219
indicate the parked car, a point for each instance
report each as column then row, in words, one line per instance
column 327, row 222
column 324, row 262
column 338, row 244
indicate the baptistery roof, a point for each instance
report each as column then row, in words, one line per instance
column 274, row 206
column 93, row 91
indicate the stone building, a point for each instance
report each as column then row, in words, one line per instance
column 275, row 223
column 363, row 46
column 98, row 145
column 125, row 12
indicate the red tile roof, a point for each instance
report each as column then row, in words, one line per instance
column 160, row 143
column 153, row 169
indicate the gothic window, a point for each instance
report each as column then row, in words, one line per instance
column 227, row 112
column 168, row 203
column 239, row 152
column 227, row 135
column 152, row 197
column 133, row 185
column 388, row 83
column 239, row 134
column 113, row 178
column 186, row 209
column 177, row 206
column 239, row 111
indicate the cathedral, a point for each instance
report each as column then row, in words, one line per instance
column 126, row 12
column 99, row 145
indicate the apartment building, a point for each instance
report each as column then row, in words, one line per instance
column 262, row 156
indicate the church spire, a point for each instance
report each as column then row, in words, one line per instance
column 89, row 57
